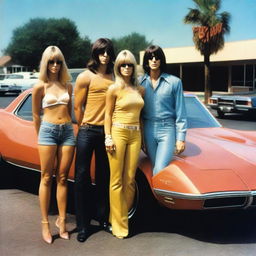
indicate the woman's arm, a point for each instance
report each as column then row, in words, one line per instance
column 142, row 93
column 37, row 95
column 70, row 90
column 110, row 105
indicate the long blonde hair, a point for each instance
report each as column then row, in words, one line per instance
column 125, row 56
column 53, row 52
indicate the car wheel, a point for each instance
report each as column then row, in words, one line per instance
column 2, row 93
column 144, row 201
column 220, row 113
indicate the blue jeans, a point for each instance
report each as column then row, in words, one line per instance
column 88, row 197
column 160, row 140
column 56, row 134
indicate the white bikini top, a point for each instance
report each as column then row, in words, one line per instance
column 51, row 100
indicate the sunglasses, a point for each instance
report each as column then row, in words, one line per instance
column 58, row 62
column 129, row 65
column 102, row 51
column 154, row 56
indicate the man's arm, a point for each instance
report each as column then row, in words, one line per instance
column 81, row 88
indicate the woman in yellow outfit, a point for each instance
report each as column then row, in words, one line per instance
column 123, row 139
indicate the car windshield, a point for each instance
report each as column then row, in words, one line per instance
column 74, row 75
column 2, row 77
column 197, row 114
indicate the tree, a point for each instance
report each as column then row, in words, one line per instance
column 134, row 42
column 209, row 36
column 80, row 53
column 29, row 41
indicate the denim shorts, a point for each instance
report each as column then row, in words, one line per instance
column 56, row 134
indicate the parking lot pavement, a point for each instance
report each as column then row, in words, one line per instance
column 20, row 233
column 20, row 230
column 172, row 234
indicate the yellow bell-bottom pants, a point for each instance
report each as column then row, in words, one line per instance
column 123, row 164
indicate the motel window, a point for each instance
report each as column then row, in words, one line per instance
column 238, row 75
column 243, row 75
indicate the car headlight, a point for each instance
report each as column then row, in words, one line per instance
column 213, row 101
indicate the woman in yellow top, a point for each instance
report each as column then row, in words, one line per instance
column 123, row 139
column 56, row 140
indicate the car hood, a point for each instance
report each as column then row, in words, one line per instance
column 215, row 159
column 219, row 148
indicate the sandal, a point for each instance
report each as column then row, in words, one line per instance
column 60, row 224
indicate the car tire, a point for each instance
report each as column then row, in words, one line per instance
column 144, row 205
column 220, row 113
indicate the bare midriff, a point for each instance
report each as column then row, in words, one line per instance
column 58, row 114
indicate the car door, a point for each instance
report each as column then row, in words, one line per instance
column 20, row 138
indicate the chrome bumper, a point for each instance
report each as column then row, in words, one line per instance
column 214, row 200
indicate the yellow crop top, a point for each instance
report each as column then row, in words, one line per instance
column 96, row 100
column 128, row 107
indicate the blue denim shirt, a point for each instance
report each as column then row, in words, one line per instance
column 166, row 101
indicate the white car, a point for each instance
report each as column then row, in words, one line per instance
column 18, row 82
column 2, row 76
column 74, row 72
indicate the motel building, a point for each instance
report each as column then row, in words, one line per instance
column 232, row 68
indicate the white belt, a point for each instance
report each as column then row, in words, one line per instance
column 125, row 126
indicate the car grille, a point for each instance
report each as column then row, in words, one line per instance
column 241, row 102
column 227, row 102
column 225, row 202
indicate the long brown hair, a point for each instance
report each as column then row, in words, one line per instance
column 100, row 46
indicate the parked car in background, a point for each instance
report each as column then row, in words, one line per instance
column 18, row 82
column 233, row 103
column 74, row 72
column 2, row 76
column 216, row 170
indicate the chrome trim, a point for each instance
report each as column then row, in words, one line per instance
column 24, row 167
column 247, row 195
column 249, row 202
column 29, row 168
column 205, row 196
column 20, row 103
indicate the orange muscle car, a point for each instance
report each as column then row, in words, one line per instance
column 217, row 169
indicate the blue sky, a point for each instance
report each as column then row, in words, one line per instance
column 161, row 21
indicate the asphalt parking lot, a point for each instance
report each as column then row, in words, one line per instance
column 170, row 234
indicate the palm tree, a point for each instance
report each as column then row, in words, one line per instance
column 209, row 35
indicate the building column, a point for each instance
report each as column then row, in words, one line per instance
column 181, row 72
column 229, row 78
column 244, row 74
column 253, row 77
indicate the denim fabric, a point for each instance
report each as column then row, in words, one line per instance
column 159, row 137
column 164, row 118
column 164, row 102
column 88, row 197
column 56, row 134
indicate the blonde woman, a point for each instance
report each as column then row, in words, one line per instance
column 123, row 139
column 56, row 141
